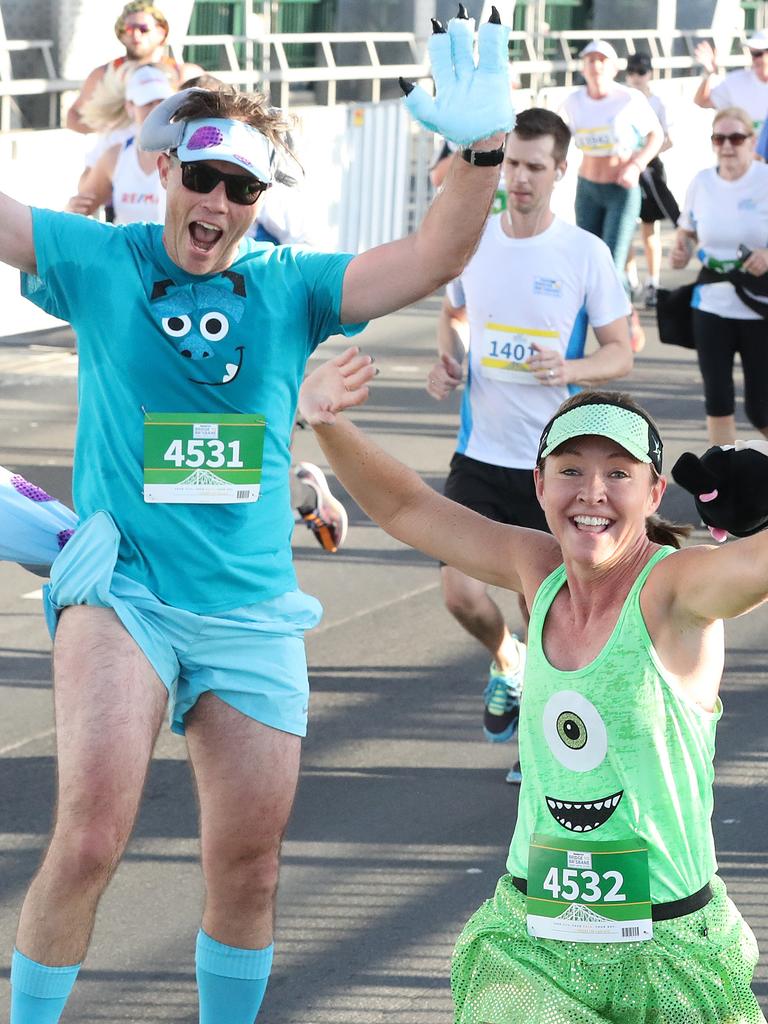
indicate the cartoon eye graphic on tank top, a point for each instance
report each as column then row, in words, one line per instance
column 574, row 731
column 214, row 326
column 177, row 326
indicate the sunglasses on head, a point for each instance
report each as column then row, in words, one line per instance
column 735, row 138
column 240, row 188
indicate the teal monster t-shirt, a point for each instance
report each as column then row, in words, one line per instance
column 154, row 339
column 616, row 751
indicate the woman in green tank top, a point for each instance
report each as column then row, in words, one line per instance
column 611, row 909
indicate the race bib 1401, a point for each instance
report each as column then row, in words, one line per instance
column 507, row 351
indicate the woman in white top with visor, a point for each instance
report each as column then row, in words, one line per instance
column 618, row 135
column 725, row 222
column 125, row 175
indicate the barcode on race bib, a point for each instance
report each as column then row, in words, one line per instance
column 630, row 933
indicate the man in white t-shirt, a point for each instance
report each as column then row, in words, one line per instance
column 527, row 295
column 746, row 88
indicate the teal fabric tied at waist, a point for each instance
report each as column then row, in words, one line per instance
column 83, row 572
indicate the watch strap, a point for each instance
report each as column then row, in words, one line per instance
column 483, row 158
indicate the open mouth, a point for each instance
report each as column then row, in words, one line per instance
column 203, row 235
column 232, row 371
column 591, row 524
column 583, row 817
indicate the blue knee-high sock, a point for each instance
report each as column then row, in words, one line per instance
column 39, row 993
column 231, row 981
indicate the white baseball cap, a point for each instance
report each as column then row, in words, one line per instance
column 600, row 46
column 759, row 41
column 147, row 84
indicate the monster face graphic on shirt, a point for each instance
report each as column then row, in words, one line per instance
column 578, row 740
column 200, row 321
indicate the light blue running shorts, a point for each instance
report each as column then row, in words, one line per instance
column 251, row 657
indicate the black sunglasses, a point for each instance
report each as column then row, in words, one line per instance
column 143, row 28
column 735, row 138
column 240, row 188
column 757, row 53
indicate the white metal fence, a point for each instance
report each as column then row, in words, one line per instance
column 269, row 61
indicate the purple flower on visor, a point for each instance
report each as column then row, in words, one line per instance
column 63, row 536
column 205, row 138
column 28, row 490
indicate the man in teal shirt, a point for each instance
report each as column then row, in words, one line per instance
column 177, row 588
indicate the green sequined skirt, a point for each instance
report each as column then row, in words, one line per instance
column 697, row 969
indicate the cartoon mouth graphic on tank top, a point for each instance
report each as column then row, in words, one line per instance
column 197, row 319
column 576, row 736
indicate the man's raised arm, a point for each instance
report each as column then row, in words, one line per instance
column 472, row 107
column 16, row 245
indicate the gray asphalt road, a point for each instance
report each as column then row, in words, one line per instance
column 403, row 815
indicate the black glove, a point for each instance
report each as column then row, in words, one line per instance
column 730, row 487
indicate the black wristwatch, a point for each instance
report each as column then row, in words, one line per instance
column 483, row 158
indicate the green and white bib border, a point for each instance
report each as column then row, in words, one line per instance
column 195, row 458
column 582, row 891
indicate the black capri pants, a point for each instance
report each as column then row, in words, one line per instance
column 718, row 339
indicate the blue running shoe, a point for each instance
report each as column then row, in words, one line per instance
column 514, row 775
column 502, row 700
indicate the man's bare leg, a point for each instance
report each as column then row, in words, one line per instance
column 109, row 704
column 472, row 606
column 246, row 776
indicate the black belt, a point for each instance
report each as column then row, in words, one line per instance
column 659, row 911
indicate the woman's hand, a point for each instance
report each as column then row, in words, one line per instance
column 336, row 385
column 628, row 174
column 706, row 56
column 681, row 251
column 757, row 263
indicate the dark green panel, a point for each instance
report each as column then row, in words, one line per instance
column 214, row 18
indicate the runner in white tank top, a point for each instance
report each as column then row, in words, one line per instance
column 125, row 175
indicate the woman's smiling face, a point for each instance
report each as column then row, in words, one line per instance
column 596, row 497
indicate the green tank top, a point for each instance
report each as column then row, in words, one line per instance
column 616, row 750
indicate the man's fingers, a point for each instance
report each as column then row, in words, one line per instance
column 440, row 56
column 421, row 106
column 451, row 366
column 493, row 47
column 461, row 31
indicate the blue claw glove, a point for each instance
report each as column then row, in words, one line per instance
column 471, row 102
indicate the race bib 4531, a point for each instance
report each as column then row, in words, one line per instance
column 195, row 458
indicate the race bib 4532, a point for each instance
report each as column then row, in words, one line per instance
column 582, row 891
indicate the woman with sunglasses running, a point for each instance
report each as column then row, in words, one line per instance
column 725, row 220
